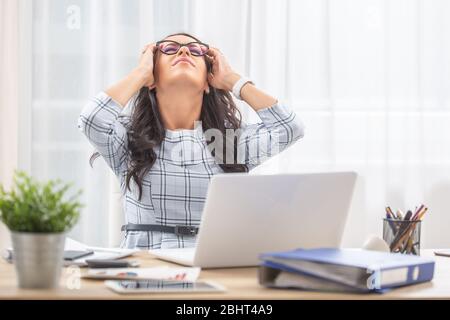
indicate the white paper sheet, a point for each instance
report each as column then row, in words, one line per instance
column 156, row 273
column 99, row 253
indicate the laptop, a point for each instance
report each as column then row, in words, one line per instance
column 246, row 215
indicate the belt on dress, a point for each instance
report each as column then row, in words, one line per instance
column 178, row 230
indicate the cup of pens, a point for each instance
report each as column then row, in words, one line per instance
column 402, row 231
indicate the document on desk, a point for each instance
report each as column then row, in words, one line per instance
column 99, row 253
column 154, row 273
column 343, row 269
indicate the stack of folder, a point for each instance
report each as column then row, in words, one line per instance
column 343, row 270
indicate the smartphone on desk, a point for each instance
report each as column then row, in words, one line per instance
column 162, row 286
column 71, row 255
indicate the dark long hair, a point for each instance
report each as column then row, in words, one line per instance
column 147, row 130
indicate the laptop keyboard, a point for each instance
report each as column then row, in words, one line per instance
column 182, row 253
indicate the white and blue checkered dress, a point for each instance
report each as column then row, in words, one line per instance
column 174, row 190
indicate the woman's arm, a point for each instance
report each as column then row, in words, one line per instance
column 103, row 125
column 279, row 126
column 101, row 120
column 224, row 77
column 278, row 129
column 254, row 97
column 126, row 88
column 141, row 76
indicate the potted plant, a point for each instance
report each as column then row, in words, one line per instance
column 38, row 216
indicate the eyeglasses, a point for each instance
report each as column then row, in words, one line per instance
column 171, row 47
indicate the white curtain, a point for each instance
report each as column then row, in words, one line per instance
column 369, row 78
column 9, row 97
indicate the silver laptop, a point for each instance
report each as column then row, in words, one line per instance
column 246, row 215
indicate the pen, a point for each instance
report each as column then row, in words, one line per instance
column 402, row 236
column 422, row 214
column 390, row 212
column 399, row 214
column 403, row 241
column 408, row 215
column 408, row 231
column 388, row 215
column 417, row 212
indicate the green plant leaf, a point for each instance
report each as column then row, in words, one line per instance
column 32, row 206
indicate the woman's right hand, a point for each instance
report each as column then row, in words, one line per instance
column 140, row 77
column 146, row 64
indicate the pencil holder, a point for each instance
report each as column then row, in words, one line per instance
column 402, row 236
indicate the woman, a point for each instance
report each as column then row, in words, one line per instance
column 178, row 136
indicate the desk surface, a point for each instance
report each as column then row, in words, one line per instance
column 241, row 283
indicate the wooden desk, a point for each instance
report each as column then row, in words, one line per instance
column 241, row 283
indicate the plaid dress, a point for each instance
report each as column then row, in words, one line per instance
column 174, row 190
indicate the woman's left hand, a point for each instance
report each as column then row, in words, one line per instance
column 222, row 76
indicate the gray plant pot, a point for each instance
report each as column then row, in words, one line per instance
column 38, row 258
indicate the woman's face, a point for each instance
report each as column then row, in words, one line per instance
column 181, row 70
